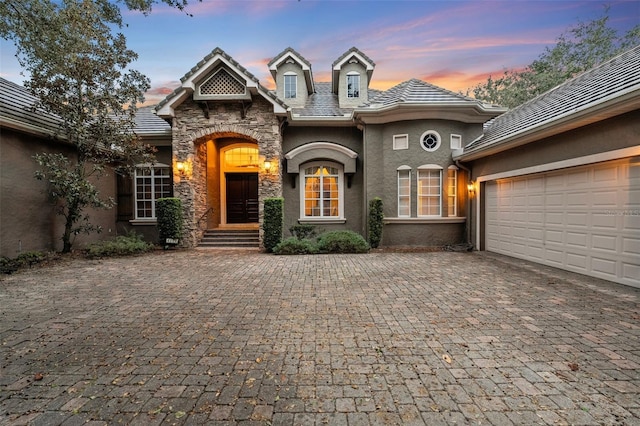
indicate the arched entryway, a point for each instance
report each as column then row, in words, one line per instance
column 240, row 165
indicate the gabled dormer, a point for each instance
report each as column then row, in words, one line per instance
column 351, row 74
column 293, row 77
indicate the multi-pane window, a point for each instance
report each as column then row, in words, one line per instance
column 353, row 86
column 452, row 189
column 151, row 183
column 404, row 192
column 290, row 86
column 322, row 191
column 429, row 190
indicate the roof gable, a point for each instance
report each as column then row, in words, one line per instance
column 203, row 71
column 289, row 54
column 352, row 54
column 609, row 89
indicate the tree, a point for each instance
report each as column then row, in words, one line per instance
column 577, row 50
column 79, row 72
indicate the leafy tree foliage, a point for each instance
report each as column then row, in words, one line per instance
column 578, row 49
column 79, row 70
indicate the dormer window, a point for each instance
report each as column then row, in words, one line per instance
column 353, row 85
column 290, row 85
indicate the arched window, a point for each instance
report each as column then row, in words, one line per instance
column 404, row 191
column 322, row 191
column 290, row 85
column 353, row 85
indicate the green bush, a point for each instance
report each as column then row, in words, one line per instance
column 272, row 222
column 375, row 221
column 342, row 242
column 293, row 245
column 303, row 232
column 23, row 260
column 169, row 219
column 123, row 245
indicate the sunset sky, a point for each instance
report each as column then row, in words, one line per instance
column 452, row 44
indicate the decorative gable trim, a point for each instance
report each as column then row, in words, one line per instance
column 315, row 150
column 203, row 70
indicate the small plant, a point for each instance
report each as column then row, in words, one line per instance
column 123, row 245
column 375, row 221
column 23, row 260
column 293, row 245
column 342, row 242
column 303, row 232
column 170, row 222
column 273, row 222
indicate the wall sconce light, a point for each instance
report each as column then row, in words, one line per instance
column 184, row 168
column 471, row 187
column 267, row 166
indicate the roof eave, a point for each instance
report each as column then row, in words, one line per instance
column 592, row 114
column 459, row 111
column 28, row 128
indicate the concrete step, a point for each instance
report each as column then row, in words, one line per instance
column 243, row 238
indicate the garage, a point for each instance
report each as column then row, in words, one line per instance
column 583, row 219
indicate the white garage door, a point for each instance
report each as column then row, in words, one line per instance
column 583, row 219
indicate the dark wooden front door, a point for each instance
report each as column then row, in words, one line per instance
column 242, row 197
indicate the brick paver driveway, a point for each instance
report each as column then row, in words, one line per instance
column 208, row 337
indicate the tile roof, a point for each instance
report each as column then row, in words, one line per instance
column 416, row 91
column 149, row 124
column 17, row 111
column 612, row 79
column 322, row 103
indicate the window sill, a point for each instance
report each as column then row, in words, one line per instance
column 423, row 220
column 313, row 221
column 137, row 222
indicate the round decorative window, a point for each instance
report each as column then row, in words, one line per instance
column 430, row 140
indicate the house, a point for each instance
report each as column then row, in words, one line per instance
column 326, row 147
column 555, row 180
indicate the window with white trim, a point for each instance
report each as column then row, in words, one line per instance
column 151, row 183
column 456, row 141
column 452, row 191
column 322, row 191
column 429, row 181
column 404, row 191
column 353, row 85
column 290, row 85
column 400, row 142
column 430, row 140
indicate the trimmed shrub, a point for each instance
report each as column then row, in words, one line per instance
column 342, row 242
column 170, row 221
column 272, row 222
column 123, row 245
column 375, row 222
column 293, row 245
column 23, row 260
column 303, row 232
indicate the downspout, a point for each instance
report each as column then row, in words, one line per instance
column 469, row 203
column 365, row 204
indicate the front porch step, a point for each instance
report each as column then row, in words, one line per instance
column 239, row 238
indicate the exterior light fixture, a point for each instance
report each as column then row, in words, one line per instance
column 471, row 187
column 267, row 166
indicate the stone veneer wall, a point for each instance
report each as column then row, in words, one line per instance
column 190, row 131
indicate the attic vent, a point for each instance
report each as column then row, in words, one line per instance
column 222, row 83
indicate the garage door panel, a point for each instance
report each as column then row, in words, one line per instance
column 584, row 219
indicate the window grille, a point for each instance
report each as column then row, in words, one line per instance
column 222, row 83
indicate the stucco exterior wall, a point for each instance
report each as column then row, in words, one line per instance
column 301, row 89
column 382, row 163
column 28, row 220
column 349, row 137
column 192, row 129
